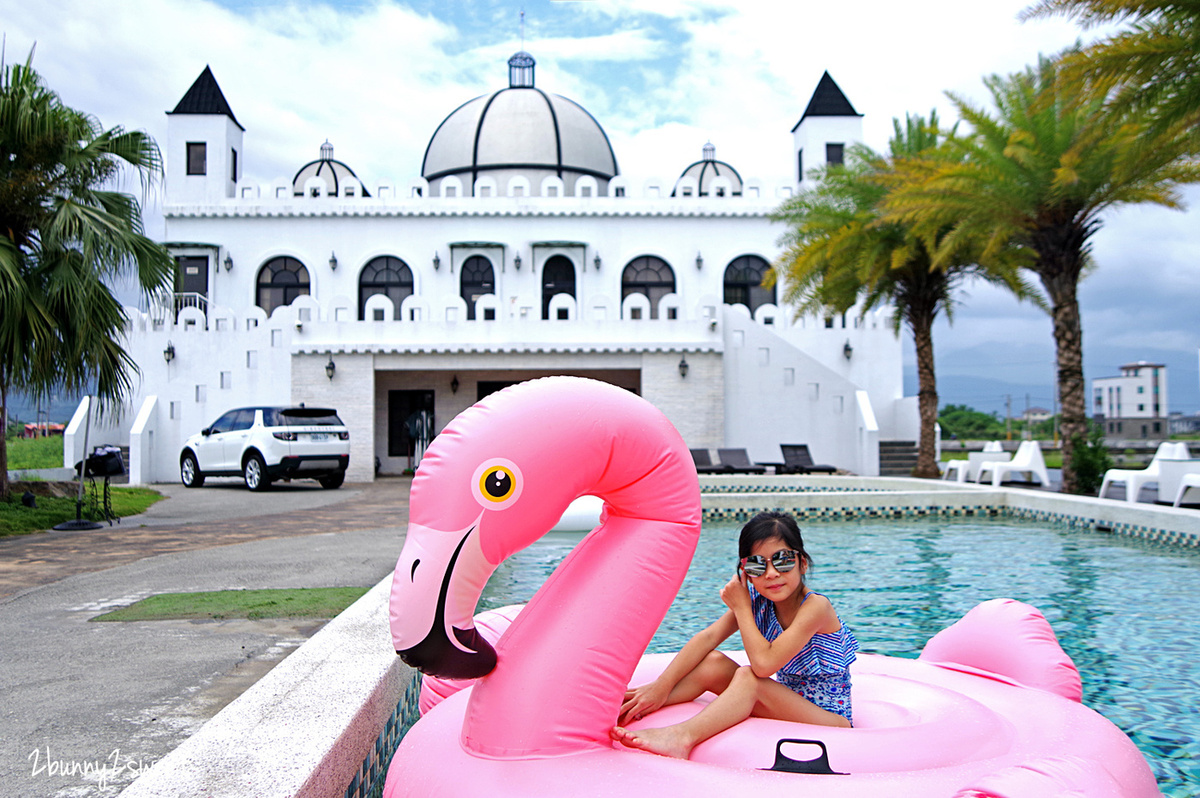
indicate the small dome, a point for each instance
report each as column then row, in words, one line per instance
column 519, row 131
column 708, row 169
column 331, row 171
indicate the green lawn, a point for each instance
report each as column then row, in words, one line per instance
column 35, row 452
column 323, row 602
column 17, row 519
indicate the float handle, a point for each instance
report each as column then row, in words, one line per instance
column 819, row 765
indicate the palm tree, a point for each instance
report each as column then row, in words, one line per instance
column 1154, row 63
column 1033, row 182
column 840, row 252
column 63, row 233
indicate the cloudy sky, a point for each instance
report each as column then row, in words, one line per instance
column 375, row 77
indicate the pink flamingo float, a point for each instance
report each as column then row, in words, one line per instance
column 520, row 702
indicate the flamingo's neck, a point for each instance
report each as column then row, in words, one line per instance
column 566, row 661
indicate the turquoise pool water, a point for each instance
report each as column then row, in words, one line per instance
column 1124, row 610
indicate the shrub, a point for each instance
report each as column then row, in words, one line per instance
column 1091, row 460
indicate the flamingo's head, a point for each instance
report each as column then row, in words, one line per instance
column 469, row 511
column 498, row 477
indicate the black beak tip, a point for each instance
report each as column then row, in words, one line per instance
column 436, row 656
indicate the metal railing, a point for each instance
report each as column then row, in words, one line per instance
column 164, row 305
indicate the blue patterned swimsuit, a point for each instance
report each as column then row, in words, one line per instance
column 821, row 671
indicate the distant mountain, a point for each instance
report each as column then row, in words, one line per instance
column 60, row 409
column 984, row 394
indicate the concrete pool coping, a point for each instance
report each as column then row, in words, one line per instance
column 325, row 720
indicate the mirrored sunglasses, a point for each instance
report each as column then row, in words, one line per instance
column 784, row 560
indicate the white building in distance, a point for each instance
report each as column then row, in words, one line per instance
column 519, row 251
column 1133, row 405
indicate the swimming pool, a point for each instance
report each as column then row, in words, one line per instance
column 1123, row 609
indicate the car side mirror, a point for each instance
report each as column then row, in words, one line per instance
column 206, row 431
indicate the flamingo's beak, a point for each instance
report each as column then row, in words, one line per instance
column 437, row 582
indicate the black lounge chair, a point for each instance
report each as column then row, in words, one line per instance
column 704, row 463
column 737, row 461
column 798, row 460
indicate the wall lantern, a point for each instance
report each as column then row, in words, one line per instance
column 454, row 384
column 436, row 261
column 847, row 350
column 699, row 261
column 330, row 368
column 332, row 261
column 169, row 352
column 228, row 261
column 596, row 261
column 683, row 366
column 517, row 261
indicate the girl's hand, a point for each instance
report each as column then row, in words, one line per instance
column 735, row 594
column 641, row 701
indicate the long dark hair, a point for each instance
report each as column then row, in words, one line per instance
column 770, row 525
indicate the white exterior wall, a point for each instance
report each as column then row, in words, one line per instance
column 240, row 360
column 221, row 135
column 811, row 136
column 291, row 348
column 775, row 394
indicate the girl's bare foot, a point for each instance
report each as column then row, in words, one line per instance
column 668, row 741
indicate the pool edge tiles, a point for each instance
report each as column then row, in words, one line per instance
column 879, row 498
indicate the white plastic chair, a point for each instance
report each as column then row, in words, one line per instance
column 1027, row 460
column 993, row 446
column 1189, row 481
column 955, row 470
column 1135, row 479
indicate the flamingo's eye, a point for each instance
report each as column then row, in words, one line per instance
column 497, row 484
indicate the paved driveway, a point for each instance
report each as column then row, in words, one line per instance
column 86, row 704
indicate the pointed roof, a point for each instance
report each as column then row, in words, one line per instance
column 205, row 98
column 827, row 100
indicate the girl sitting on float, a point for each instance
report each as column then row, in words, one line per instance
column 788, row 631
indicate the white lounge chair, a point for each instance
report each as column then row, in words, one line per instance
column 1027, row 460
column 1134, row 479
column 1188, row 482
column 964, row 470
column 956, row 470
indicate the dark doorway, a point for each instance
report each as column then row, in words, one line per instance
column 191, row 275
column 558, row 277
column 410, row 423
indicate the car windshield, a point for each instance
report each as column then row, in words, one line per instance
column 308, row 417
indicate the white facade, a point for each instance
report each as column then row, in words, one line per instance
column 1133, row 405
column 723, row 375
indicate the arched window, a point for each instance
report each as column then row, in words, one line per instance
column 743, row 283
column 650, row 276
column 384, row 275
column 478, row 279
column 280, row 281
column 558, row 277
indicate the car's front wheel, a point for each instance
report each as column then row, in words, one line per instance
column 189, row 471
column 333, row 481
column 254, row 471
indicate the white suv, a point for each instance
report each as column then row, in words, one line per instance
column 263, row 444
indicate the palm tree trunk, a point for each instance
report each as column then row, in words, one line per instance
column 1060, row 259
column 1068, row 340
column 927, row 397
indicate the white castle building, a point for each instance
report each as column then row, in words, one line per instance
column 519, row 252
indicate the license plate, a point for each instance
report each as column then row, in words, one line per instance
column 319, row 436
